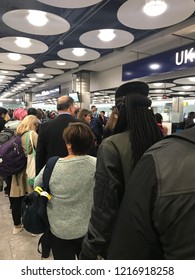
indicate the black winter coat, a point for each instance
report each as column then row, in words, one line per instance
column 113, row 170
column 50, row 140
column 156, row 218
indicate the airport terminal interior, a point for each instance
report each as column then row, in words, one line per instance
column 86, row 49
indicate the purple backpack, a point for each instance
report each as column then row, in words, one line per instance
column 12, row 157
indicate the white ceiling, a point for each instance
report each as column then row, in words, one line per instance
column 75, row 24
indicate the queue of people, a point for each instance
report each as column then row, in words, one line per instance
column 115, row 190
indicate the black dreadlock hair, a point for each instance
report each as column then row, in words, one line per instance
column 135, row 116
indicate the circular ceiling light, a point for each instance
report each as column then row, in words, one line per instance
column 155, row 8
column 157, row 84
column 77, row 55
column 49, row 71
column 22, row 45
column 186, row 87
column 37, row 18
column 33, row 79
column 9, row 66
column 106, row 35
column 61, row 63
column 23, row 42
column 40, row 75
column 106, row 38
column 14, row 56
column 17, row 19
column 177, row 11
column 191, row 79
column 70, row 3
column 79, row 51
column 58, row 64
column 4, row 72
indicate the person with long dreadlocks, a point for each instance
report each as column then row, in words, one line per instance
column 136, row 130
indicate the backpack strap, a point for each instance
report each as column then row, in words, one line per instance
column 48, row 171
column 187, row 134
column 27, row 140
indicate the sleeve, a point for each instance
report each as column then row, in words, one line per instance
column 41, row 150
column 107, row 197
column 134, row 236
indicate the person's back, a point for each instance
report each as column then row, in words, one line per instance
column 156, row 219
column 50, row 139
column 71, row 187
column 135, row 131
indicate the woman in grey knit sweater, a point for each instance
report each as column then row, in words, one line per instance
column 71, row 187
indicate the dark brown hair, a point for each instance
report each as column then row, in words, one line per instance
column 82, row 114
column 80, row 136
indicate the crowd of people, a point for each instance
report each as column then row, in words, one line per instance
column 119, row 188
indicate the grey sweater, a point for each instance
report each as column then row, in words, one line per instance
column 71, row 187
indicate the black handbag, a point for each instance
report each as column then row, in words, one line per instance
column 34, row 205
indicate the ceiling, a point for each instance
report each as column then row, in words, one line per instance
column 76, row 24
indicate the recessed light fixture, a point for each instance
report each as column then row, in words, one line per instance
column 40, row 75
column 155, row 8
column 4, row 72
column 37, row 18
column 61, row 63
column 187, row 87
column 79, row 51
column 157, row 84
column 23, row 42
column 154, row 66
column 14, row 56
column 2, row 77
column 32, row 79
column 106, row 35
column 191, row 79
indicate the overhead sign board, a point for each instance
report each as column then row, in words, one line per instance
column 169, row 61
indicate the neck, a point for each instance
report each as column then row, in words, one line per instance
column 70, row 156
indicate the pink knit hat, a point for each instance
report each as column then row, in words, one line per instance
column 19, row 113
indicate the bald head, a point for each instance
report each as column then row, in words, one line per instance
column 62, row 99
column 66, row 104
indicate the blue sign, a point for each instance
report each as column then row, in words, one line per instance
column 169, row 61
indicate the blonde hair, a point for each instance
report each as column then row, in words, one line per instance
column 30, row 122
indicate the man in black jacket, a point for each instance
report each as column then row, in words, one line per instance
column 156, row 218
column 50, row 139
column 51, row 143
